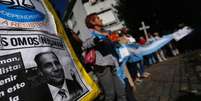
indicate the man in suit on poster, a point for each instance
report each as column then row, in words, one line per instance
column 56, row 88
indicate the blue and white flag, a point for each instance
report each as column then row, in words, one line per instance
column 133, row 53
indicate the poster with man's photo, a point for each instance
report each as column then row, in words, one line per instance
column 35, row 66
column 35, row 63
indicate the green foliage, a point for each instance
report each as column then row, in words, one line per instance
column 162, row 16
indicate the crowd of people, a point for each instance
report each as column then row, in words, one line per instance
column 104, row 44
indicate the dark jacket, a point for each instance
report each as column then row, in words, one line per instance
column 105, row 52
column 42, row 92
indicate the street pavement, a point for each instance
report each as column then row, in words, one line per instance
column 177, row 79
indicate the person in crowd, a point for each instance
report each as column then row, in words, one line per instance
column 106, row 59
column 142, row 40
column 130, row 38
column 173, row 49
column 56, row 87
column 151, row 57
column 160, row 54
column 135, row 67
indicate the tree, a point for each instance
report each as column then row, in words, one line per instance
column 132, row 12
column 164, row 16
column 160, row 15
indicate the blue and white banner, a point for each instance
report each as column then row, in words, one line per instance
column 154, row 46
column 131, row 53
column 131, row 49
column 29, row 14
column 181, row 33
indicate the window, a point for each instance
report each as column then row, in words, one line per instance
column 108, row 17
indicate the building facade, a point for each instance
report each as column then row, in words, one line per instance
column 106, row 11
column 79, row 9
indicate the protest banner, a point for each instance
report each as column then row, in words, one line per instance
column 12, row 83
column 25, row 14
column 23, row 76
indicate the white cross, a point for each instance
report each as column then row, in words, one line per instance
column 144, row 28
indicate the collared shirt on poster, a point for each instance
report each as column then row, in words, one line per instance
column 54, row 92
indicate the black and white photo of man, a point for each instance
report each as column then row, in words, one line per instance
column 56, row 88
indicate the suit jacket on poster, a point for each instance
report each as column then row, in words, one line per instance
column 42, row 92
